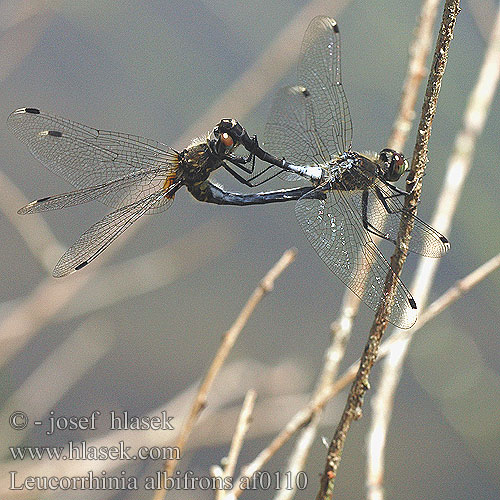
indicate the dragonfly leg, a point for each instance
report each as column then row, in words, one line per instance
column 399, row 192
column 248, row 182
column 364, row 216
column 240, row 135
column 241, row 161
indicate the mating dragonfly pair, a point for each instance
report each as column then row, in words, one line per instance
column 349, row 197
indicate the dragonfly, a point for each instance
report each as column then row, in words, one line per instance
column 132, row 174
column 351, row 198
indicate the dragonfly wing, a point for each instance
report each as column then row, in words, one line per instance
column 332, row 223
column 310, row 123
column 118, row 193
column 384, row 214
column 319, row 72
column 85, row 156
column 99, row 236
column 289, row 130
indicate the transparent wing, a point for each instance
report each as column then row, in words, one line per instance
column 384, row 214
column 319, row 72
column 332, row 223
column 310, row 123
column 86, row 157
column 99, row 236
column 117, row 193
column 290, row 130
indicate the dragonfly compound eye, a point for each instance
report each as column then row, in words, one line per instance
column 395, row 164
column 227, row 140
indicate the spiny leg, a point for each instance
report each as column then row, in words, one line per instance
column 364, row 216
column 248, row 182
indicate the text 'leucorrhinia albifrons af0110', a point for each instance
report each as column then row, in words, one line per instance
column 349, row 197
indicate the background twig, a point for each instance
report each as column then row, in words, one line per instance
column 315, row 405
column 342, row 327
column 265, row 286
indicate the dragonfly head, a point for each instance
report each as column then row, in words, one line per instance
column 221, row 143
column 393, row 164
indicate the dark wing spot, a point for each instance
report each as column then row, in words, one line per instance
column 42, row 199
column 445, row 241
column 83, row 264
column 413, row 304
column 54, row 133
column 34, row 111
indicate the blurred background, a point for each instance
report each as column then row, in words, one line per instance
column 139, row 332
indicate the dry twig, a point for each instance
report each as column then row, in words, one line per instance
column 237, row 441
column 354, row 403
column 458, row 169
column 228, row 340
column 419, row 50
column 342, row 327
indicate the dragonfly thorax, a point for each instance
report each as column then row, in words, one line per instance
column 352, row 171
column 201, row 158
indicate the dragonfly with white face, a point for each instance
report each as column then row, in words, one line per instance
column 351, row 198
column 131, row 174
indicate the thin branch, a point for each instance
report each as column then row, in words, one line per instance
column 228, row 340
column 230, row 386
column 342, row 327
column 237, row 441
column 297, row 461
column 304, row 415
column 340, row 332
column 354, row 403
column 419, row 50
column 458, row 168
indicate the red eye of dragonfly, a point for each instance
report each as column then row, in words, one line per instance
column 227, row 140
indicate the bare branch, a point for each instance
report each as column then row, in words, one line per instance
column 419, row 50
column 354, row 403
column 228, row 340
column 230, row 387
column 239, row 436
column 458, row 168
column 303, row 416
column 341, row 329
